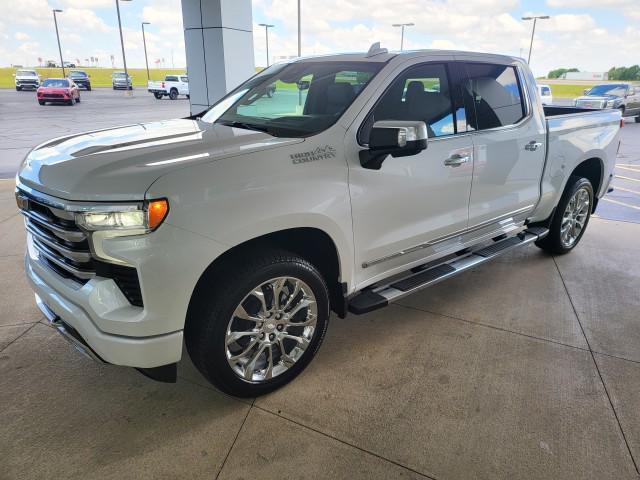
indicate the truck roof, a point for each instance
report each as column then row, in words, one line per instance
column 382, row 55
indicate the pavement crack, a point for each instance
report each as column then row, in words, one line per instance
column 235, row 439
column 593, row 357
column 18, row 337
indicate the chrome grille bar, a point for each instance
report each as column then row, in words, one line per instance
column 56, row 259
column 61, row 232
column 75, row 255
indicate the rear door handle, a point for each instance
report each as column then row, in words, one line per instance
column 456, row 160
column 532, row 146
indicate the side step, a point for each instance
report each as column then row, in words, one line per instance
column 380, row 296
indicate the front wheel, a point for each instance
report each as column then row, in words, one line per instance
column 18, row 89
column 257, row 324
column 41, row 102
column 638, row 119
column 571, row 217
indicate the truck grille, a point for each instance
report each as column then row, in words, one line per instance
column 64, row 248
column 591, row 103
column 53, row 95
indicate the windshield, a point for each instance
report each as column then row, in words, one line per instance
column 26, row 73
column 119, row 75
column 295, row 99
column 78, row 74
column 616, row 90
column 52, row 82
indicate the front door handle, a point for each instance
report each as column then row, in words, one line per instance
column 532, row 146
column 456, row 160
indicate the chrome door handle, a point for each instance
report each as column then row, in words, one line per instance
column 456, row 160
column 532, row 146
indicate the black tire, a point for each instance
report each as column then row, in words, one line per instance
column 130, row 87
column 114, row 87
column 552, row 243
column 158, row 96
column 638, row 119
column 41, row 102
column 188, row 96
column 78, row 99
column 88, row 88
column 173, row 94
column 71, row 102
column 18, row 89
column 216, row 299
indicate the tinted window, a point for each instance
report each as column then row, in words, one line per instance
column 184, row 79
column 495, row 92
column 26, row 73
column 420, row 93
column 169, row 78
column 52, row 82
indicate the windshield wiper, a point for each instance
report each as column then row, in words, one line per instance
column 247, row 126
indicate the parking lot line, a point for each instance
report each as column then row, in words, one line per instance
column 620, row 203
column 624, row 167
column 626, row 190
column 628, row 178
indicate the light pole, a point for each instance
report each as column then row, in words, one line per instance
column 299, row 32
column 55, row 21
column 144, row 42
column 124, row 59
column 266, row 35
column 533, row 30
column 402, row 25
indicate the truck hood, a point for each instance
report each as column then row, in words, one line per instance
column 120, row 164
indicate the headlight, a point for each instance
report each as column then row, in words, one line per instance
column 130, row 219
column 611, row 103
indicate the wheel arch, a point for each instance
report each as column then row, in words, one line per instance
column 593, row 170
column 311, row 243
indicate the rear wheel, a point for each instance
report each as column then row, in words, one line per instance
column 173, row 94
column 257, row 325
column 158, row 96
column 571, row 217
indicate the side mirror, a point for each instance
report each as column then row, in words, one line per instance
column 303, row 84
column 398, row 138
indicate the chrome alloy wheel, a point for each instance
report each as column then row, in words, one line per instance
column 271, row 329
column 575, row 217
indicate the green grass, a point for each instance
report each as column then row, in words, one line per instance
column 562, row 90
column 100, row 77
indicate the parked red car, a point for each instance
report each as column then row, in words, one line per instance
column 58, row 90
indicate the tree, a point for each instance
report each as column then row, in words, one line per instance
column 559, row 72
column 624, row 73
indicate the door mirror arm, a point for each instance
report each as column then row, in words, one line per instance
column 398, row 138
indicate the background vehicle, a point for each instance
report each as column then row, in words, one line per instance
column 121, row 80
column 81, row 79
column 69, row 65
column 623, row 96
column 171, row 86
column 365, row 178
column 27, row 79
column 58, row 90
column 545, row 94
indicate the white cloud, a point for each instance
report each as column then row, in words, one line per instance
column 89, row 3
column 21, row 36
column 82, row 19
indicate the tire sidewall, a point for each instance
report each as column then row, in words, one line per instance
column 575, row 184
column 219, row 310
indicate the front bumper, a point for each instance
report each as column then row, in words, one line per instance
column 139, row 352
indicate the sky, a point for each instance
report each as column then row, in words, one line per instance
column 592, row 35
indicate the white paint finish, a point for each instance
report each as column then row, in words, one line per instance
column 226, row 186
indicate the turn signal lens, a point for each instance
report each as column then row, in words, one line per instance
column 156, row 213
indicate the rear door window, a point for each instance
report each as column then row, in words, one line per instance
column 496, row 94
column 170, row 79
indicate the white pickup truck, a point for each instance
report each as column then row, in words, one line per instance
column 171, row 86
column 362, row 179
column 26, row 79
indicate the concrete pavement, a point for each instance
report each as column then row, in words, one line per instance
column 528, row 367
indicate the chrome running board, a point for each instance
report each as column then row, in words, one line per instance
column 380, row 295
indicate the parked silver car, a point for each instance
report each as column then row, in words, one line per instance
column 623, row 96
column 121, row 80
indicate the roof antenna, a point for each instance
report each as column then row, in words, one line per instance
column 376, row 50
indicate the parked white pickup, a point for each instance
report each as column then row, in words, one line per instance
column 171, row 86
column 360, row 179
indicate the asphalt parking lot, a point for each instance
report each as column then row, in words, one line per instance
column 527, row 367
